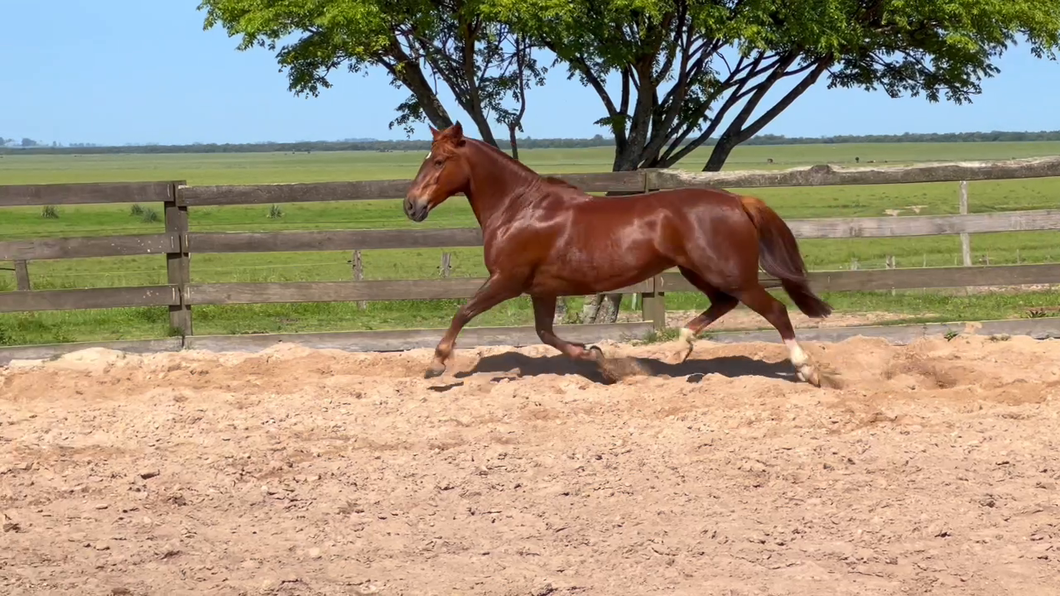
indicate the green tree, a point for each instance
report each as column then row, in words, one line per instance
column 692, row 69
column 485, row 64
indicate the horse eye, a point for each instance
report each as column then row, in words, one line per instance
column 437, row 163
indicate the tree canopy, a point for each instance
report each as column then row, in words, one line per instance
column 690, row 69
column 687, row 71
column 485, row 64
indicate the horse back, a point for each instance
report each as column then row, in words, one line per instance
column 676, row 200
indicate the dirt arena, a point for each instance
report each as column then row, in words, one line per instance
column 924, row 469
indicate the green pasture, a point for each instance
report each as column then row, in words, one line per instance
column 252, row 168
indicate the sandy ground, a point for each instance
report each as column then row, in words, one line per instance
column 925, row 469
column 743, row 318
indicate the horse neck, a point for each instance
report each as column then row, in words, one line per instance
column 496, row 182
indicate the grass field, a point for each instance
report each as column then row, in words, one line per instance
column 249, row 168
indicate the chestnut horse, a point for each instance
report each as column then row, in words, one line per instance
column 546, row 238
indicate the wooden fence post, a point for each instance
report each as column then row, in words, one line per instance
column 653, row 304
column 22, row 276
column 178, row 265
column 890, row 263
column 358, row 275
column 966, row 240
column 447, row 264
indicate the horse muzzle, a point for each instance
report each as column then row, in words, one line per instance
column 416, row 210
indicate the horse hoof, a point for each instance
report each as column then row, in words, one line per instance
column 596, row 353
column 809, row 375
column 434, row 371
column 678, row 357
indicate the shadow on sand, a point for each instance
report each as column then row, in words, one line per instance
column 694, row 370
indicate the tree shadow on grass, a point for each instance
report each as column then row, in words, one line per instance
column 692, row 369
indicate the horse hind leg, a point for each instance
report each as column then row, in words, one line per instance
column 612, row 369
column 759, row 300
column 544, row 317
column 720, row 304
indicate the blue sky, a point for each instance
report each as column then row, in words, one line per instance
column 140, row 71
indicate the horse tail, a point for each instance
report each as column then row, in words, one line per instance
column 781, row 258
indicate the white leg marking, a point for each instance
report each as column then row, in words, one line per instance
column 684, row 347
column 805, row 369
column 687, row 335
column 798, row 356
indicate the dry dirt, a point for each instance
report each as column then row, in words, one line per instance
column 743, row 318
column 924, row 469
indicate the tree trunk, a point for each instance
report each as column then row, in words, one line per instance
column 719, row 155
column 561, row 311
column 609, row 308
column 591, row 308
column 513, row 141
column 602, row 308
column 408, row 72
column 481, row 122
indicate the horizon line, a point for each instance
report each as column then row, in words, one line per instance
column 603, row 141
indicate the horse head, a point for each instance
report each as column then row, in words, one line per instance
column 444, row 172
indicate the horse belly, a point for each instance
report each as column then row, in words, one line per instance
column 581, row 269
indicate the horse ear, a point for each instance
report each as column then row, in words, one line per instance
column 457, row 132
column 434, row 132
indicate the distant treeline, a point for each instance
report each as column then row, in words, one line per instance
column 597, row 141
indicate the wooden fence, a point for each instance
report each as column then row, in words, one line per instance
column 179, row 243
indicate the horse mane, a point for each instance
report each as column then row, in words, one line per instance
column 517, row 165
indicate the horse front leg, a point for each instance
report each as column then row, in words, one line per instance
column 497, row 289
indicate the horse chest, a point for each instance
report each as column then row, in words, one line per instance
column 509, row 248
column 499, row 257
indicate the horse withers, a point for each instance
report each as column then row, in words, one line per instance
column 546, row 238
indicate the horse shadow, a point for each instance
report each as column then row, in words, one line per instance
column 694, row 370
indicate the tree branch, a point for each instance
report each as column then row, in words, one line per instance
column 578, row 64
column 736, row 133
column 408, row 71
column 761, row 90
column 674, row 101
column 677, row 44
column 673, row 154
column 784, row 102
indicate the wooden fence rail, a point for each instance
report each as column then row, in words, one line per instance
column 86, row 193
column 840, row 227
column 313, row 241
column 80, row 248
column 636, row 181
column 178, row 243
